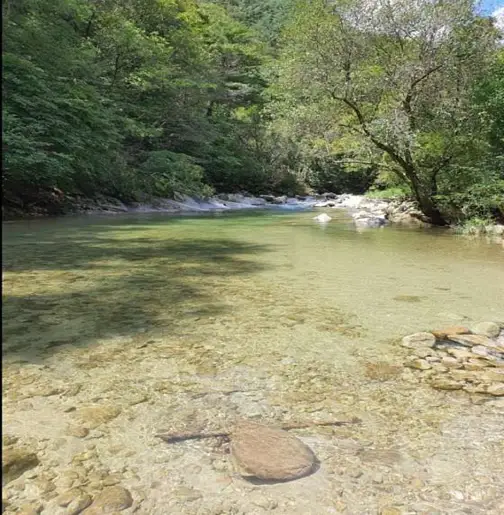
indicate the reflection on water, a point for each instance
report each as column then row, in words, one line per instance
column 195, row 320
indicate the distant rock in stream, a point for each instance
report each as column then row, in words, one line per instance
column 323, row 218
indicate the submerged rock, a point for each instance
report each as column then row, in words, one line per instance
column 370, row 221
column 322, row 218
column 271, row 454
column 419, row 340
column 110, row 500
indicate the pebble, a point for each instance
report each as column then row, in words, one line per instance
column 442, row 334
column 77, row 431
column 79, row 504
column 419, row 364
column 111, row 499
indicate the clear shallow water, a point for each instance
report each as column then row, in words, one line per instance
column 282, row 312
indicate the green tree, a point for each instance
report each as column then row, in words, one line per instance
column 392, row 82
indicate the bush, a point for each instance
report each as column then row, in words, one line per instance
column 479, row 202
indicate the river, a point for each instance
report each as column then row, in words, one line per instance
column 116, row 327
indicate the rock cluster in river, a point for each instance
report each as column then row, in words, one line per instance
column 459, row 358
column 368, row 212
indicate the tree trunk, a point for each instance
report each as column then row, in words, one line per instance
column 424, row 195
column 430, row 210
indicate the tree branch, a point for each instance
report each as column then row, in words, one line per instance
column 407, row 167
column 411, row 91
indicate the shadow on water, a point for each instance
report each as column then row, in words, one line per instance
column 74, row 285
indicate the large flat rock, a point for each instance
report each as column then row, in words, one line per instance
column 270, row 454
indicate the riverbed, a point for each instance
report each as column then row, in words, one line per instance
column 118, row 327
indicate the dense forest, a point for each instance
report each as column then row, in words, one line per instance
column 140, row 98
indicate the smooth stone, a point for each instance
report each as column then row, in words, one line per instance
column 322, row 218
column 269, row 453
column 451, row 362
column 416, row 340
column 419, row 364
column 464, row 375
column 480, row 350
column 490, row 329
column 443, row 383
column 109, row 500
column 442, row 334
column 77, row 431
column 30, row 509
column 93, row 416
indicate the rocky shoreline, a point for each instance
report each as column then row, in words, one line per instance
column 366, row 212
column 460, row 358
column 373, row 213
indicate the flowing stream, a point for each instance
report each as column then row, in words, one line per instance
column 116, row 327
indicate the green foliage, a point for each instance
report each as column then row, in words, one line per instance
column 474, row 226
column 124, row 97
column 132, row 97
column 388, row 193
column 479, row 201
column 392, row 85
column 166, row 173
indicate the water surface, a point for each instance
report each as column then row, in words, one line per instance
column 192, row 321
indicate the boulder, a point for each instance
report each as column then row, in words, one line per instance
column 270, row 454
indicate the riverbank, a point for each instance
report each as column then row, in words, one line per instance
column 366, row 212
column 373, row 213
column 59, row 204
